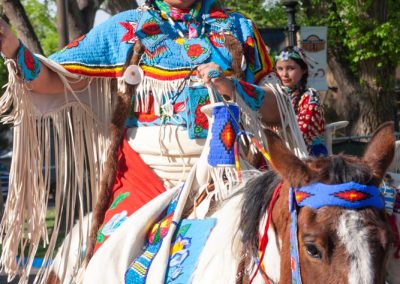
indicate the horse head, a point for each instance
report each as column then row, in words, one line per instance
column 336, row 244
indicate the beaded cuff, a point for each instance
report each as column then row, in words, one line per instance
column 28, row 63
column 252, row 94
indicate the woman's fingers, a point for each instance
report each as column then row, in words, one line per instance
column 209, row 71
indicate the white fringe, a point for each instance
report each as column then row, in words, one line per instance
column 289, row 130
column 161, row 91
column 80, row 140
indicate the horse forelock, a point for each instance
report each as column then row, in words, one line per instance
column 339, row 169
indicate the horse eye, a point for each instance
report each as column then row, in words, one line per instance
column 313, row 251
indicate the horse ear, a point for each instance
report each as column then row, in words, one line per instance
column 285, row 163
column 380, row 150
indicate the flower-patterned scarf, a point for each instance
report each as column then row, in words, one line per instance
column 177, row 14
column 190, row 17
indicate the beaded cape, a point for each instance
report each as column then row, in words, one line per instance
column 104, row 50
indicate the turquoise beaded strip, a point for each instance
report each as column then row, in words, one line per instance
column 28, row 63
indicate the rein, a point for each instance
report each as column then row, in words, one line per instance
column 349, row 195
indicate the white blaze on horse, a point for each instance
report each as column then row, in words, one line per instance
column 335, row 244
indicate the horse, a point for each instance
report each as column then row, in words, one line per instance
column 335, row 244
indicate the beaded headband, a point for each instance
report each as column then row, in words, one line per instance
column 295, row 53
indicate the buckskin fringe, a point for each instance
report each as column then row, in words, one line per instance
column 79, row 138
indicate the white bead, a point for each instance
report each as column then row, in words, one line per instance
column 133, row 75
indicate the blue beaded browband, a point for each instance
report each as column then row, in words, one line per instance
column 349, row 195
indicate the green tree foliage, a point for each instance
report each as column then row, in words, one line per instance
column 363, row 51
column 366, row 30
column 43, row 20
column 263, row 13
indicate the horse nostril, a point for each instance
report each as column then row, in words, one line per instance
column 313, row 251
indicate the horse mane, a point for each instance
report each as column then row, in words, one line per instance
column 257, row 197
column 335, row 169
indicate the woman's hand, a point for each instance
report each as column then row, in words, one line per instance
column 8, row 41
column 212, row 73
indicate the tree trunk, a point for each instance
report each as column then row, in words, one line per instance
column 81, row 14
column 379, row 104
column 81, row 17
column 15, row 12
column 62, row 23
column 345, row 101
column 365, row 105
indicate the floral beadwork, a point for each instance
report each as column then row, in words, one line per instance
column 252, row 94
column 137, row 271
column 151, row 28
column 310, row 117
column 196, row 50
column 187, row 244
column 197, row 120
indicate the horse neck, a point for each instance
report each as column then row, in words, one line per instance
column 281, row 222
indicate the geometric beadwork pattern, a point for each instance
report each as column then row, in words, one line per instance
column 352, row 195
column 300, row 196
column 223, row 134
column 227, row 136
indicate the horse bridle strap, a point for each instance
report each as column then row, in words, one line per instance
column 349, row 195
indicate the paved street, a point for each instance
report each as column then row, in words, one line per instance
column 3, row 278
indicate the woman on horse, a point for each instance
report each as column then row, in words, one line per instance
column 154, row 67
column 292, row 67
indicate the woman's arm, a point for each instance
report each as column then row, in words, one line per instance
column 47, row 81
column 268, row 109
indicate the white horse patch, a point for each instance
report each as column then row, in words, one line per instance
column 354, row 235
